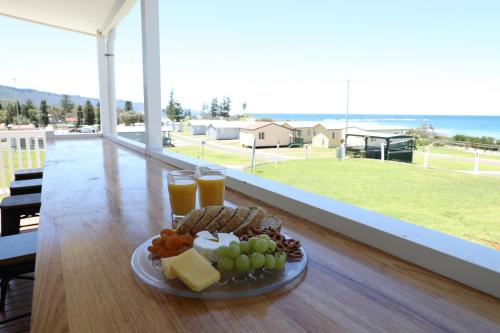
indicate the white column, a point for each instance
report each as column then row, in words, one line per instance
column 151, row 74
column 103, row 82
column 110, row 62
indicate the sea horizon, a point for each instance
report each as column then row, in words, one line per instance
column 472, row 125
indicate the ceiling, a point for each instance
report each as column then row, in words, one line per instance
column 84, row 16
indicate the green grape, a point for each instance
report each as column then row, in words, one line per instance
column 222, row 251
column 264, row 236
column 270, row 262
column 227, row 264
column 234, row 243
column 261, row 245
column 280, row 262
column 244, row 247
column 271, row 245
column 242, row 263
column 257, row 260
column 251, row 243
column 220, row 266
column 233, row 251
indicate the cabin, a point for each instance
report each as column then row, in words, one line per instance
column 306, row 129
column 229, row 130
column 266, row 134
column 328, row 134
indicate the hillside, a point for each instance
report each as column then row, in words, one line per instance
column 36, row 96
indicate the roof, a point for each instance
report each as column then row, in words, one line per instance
column 354, row 131
column 230, row 124
column 332, row 125
column 301, row 124
column 374, row 126
column 259, row 124
column 86, row 17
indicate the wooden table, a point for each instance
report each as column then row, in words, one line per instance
column 100, row 201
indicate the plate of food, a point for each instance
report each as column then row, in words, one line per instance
column 220, row 252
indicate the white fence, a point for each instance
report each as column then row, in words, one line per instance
column 22, row 144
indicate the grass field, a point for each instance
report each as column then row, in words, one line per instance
column 16, row 164
column 213, row 156
column 458, row 204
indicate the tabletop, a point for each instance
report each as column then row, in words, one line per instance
column 100, row 201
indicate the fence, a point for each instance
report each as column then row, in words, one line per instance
column 470, row 145
column 17, row 148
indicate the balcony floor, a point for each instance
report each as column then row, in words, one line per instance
column 100, row 201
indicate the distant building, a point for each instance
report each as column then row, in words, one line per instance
column 266, row 134
column 376, row 127
column 328, row 134
column 71, row 119
column 228, row 130
column 199, row 127
column 305, row 128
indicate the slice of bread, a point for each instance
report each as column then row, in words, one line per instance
column 221, row 220
column 270, row 221
column 253, row 219
column 211, row 213
column 184, row 225
column 238, row 217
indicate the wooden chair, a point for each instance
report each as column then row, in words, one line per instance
column 16, row 207
column 17, row 257
column 26, row 186
column 23, row 174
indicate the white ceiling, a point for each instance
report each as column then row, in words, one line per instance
column 85, row 16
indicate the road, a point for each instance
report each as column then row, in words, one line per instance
column 231, row 150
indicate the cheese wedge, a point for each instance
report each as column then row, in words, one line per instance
column 194, row 270
column 166, row 264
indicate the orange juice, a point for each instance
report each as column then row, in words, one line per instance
column 211, row 190
column 182, row 194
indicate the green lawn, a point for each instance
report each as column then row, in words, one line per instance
column 444, row 163
column 16, row 164
column 458, row 204
column 460, row 152
column 213, row 156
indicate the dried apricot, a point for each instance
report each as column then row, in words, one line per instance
column 187, row 239
column 168, row 253
column 157, row 241
column 174, row 242
column 167, row 232
column 154, row 248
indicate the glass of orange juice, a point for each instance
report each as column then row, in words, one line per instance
column 211, row 179
column 182, row 192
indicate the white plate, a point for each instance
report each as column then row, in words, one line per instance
column 150, row 272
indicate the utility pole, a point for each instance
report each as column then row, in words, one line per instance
column 17, row 109
column 347, row 112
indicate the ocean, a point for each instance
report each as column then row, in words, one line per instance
column 449, row 125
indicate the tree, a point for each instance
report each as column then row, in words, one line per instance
column 89, row 113
column 244, row 106
column 44, row 114
column 98, row 113
column 174, row 109
column 225, row 107
column 214, row 108
column 66, row 104
column 79, row 116
column 131, row 118
column 11, row 114
column 25, row 108
column 128, row 106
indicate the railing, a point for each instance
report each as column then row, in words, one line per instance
column 473, row 145
column 16, row 148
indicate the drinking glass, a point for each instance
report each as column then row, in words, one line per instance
column 211, row 182
column 182, row 192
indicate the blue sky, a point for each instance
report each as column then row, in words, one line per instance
column 403, row 57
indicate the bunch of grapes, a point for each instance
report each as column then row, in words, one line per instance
column 246, row 256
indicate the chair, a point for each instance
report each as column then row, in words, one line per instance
column 26, row 186
column 16, row 207
column 17, row 257
column 23, row 174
